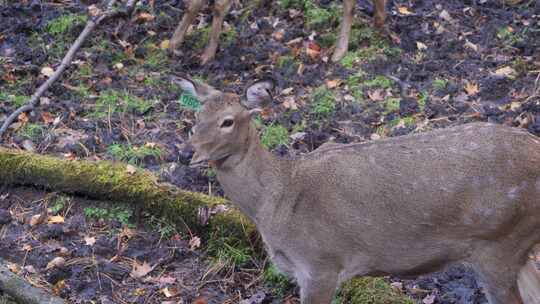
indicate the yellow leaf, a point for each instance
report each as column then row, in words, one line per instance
column 164, row 45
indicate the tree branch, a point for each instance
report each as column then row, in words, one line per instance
column 66, row 61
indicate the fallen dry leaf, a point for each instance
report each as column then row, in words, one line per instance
column 507, row 72
column 471, row 46
column 144, row 17
column 194, row 243
column 430, row 299
column 57, row 262
column 200, row 300
column 404, row 10
column 47, row 71
column 332, row 83
column 130, row 169
column 376, row 95
column 56, row 219
column 471, row 88
column 140, row 270
column 89, row 240
column 37, row 219
column 15, row 268
column 421, row 46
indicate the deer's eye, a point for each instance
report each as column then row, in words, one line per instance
column 227, row 123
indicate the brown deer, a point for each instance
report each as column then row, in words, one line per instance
column 221, row 8
column 403, row 206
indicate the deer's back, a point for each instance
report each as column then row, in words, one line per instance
column 470, row 181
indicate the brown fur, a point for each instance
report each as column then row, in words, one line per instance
column 402, row 206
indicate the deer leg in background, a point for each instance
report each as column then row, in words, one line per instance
column 498, row 277
column 221, row 8
column 380, row 13
column 193, row 9
column 342, row 44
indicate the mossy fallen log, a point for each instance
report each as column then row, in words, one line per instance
column 114, row 182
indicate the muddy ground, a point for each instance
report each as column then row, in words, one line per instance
column 440, row 63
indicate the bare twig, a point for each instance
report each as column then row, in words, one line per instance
column 66, row 61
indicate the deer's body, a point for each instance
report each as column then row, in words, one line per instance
column 403, row 206
column 221, row 8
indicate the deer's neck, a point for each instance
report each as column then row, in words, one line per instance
column 252, row 178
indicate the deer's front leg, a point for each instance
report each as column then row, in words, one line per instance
column 221, row 8
column 342, row 44
column 380, row 13
column 319, row 288
column 194, row 7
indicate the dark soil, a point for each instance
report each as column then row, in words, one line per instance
column 445, row 62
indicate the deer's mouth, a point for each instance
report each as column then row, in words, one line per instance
column 197, row 160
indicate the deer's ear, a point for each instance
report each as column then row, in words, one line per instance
column 199, row 90
column 259, row 94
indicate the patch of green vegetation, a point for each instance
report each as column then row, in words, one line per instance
column 509, row 36
column 369, row 291
column 200, row 37
column 165, row 228
column 366, row 44
column 83, row 91
column 409, row 121
column 349, row 59
column 422, row 99
column 323, row 102
column 16, row 100
column 327, row 40
column 133, row 155
column 111, row 101
column 274, row 135
column 355, row 84
column 123, row 215
column 391, row 105
column 299, row 4
column 85, row 71
column 288, row 63
column 156, row 58
column 276, row 281
column 440, row 84
column 59, row 204
column 316, row 18
column 64, row 23
column 379, row 81
column 32, row 131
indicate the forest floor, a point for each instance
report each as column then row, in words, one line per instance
column 443, row 63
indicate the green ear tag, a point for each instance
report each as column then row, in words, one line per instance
column 189, row 101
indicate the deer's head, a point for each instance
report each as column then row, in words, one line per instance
column 223, row 122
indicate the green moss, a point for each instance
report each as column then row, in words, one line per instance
column 323, row 102
column 156, row 58
column 422, row 99
column 64, row 23
column 133, row 155
column 327, row 40
column 355, row 84
column 32, row 131
column 278, row 283
column 369, row 291
column 112, row 101
column 440, row 84
column 274, row 135
column 379, row 81
column 15, row 100
column 391, row 105
column 316, row 18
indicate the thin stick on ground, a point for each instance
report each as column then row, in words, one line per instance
column 66, row 61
